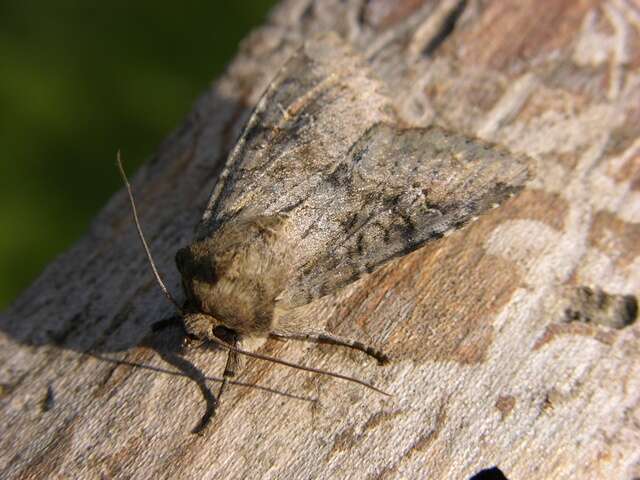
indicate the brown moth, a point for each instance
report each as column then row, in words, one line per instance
column 323, row 186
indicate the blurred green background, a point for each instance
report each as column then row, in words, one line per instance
column 77, row 82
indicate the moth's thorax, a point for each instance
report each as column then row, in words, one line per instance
column 236, row 273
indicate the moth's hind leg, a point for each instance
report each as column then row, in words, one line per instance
column 325, row 337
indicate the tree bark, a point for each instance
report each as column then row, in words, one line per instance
column 501, row 358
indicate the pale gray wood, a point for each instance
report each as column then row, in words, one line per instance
column 486, row 370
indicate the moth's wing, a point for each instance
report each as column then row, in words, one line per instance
column 316, row 108
column 320, row 151
column 396, row 190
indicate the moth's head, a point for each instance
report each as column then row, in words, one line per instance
column 196, row 264
column 236, row 274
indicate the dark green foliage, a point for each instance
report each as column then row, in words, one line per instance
column 80, row 80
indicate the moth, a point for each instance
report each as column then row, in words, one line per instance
column 324, row 186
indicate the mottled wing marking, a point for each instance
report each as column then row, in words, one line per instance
column 398, row 189
column 318, row 105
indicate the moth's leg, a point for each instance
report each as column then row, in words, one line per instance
column 199, row 328
column 326, row 337
column 202, row 328
column 230, row 369
column 233, row 359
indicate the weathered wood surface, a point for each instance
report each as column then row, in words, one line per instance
column 487, row 370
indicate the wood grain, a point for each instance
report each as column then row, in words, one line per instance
column 486, row 370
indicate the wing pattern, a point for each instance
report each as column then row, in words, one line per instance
column 324, row 149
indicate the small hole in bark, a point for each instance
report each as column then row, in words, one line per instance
column 493, row 473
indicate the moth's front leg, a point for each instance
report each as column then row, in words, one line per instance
column 199, row 328
column 202, row 328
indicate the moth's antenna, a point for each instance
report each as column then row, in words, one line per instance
column 163, row 287
column 212, row 338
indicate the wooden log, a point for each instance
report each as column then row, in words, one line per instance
column 501, row 357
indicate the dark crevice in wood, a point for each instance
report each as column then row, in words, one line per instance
column 446, row 29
